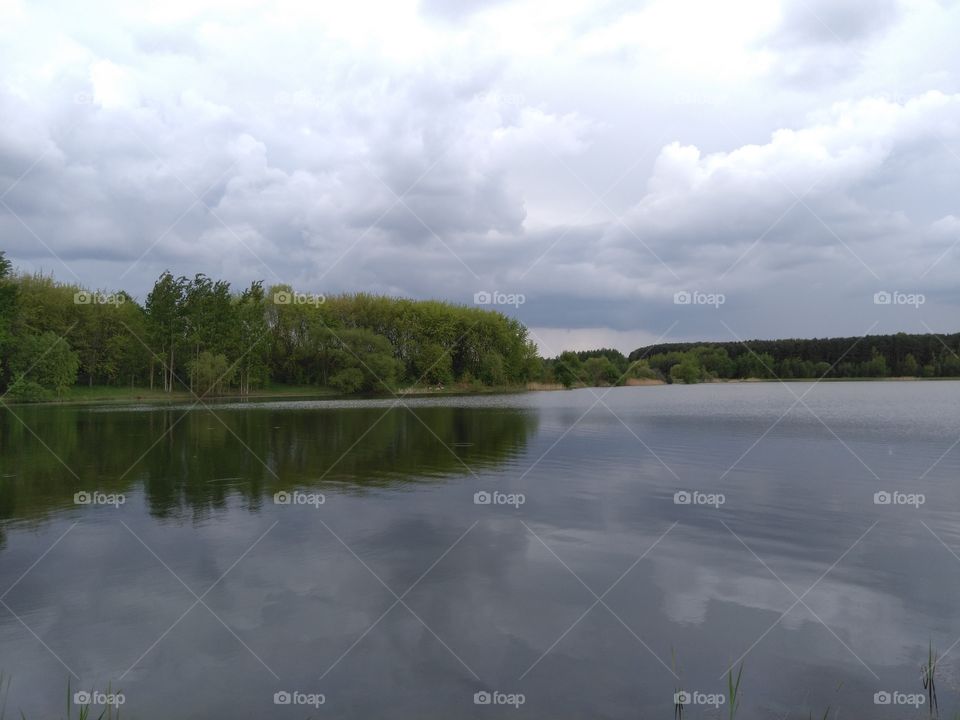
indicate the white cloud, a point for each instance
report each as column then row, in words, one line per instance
column 505, row 124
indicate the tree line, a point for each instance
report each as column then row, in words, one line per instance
column 594, row 368
column 200, row 334
column 873, row 356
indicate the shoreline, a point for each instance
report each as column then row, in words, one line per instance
column 120, row 396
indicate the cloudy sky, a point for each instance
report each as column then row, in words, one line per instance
column 792, row 157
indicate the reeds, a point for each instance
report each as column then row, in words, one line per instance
column 928, row 673
column 733, row 691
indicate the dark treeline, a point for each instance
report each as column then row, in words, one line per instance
column 873, row 356
column 199, row 334
column 596, row 368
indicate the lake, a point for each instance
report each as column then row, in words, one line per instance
column 541, row 555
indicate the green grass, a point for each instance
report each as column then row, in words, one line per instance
column 109, row 394
column 117, row 394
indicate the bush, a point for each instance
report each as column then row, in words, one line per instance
column 210, row 372
column 347, row 381
column 687, row 372
column 44, row 361
column 28, row 391
column 433, row 365
column 643, row 371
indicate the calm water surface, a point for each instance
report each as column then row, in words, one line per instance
column 401, row 597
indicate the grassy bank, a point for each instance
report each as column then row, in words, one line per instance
column 106, row 394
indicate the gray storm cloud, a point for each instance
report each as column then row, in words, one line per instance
column 796, row 157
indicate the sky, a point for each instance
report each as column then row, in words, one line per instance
column 611, row 173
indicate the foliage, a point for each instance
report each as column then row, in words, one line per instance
column 197, row 334
column 349, row 380
column 210, row 372
column 600, row 371
column 42, row 366
column 687, row 371
column 876, row 356
column 598, row 368
column 8, row 309
column 25, row 390
column 567, row 369
column 432, row 364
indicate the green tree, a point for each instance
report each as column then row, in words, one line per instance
column 43, row 366
column 876, row 366
column 8, row 312
column 753, row 365
column 641, row 370
column 568, row 369
column 166, row 323
column 910, row 366
column 599, row 371
column 369, row 354
column 432, row 364
column 348, row 380
column 688, row 371
column 251, row 339
column 950, row 364
column 715, row 361
column 210, row 373
column 664, row 362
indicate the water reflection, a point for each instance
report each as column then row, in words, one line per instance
column 194, row 460
column 494, row 598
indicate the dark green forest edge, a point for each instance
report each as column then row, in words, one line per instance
column 875, row 356
column 200, row 337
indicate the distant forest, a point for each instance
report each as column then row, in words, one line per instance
column 873, row 356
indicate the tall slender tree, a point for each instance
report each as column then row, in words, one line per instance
column 166, row 323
